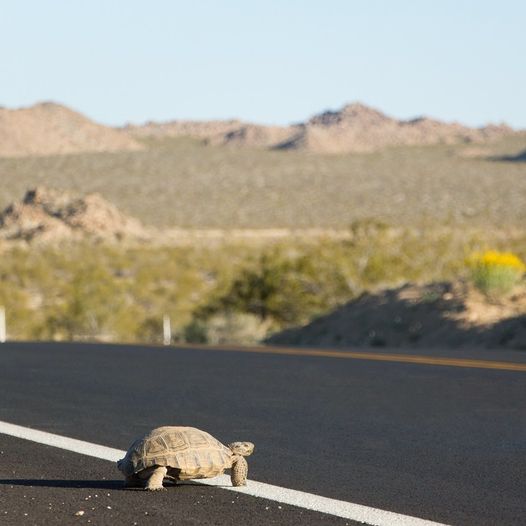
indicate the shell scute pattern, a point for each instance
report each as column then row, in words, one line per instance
column 193, row 452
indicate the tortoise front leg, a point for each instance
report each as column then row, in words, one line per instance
column 239, row 473
column 155, row 481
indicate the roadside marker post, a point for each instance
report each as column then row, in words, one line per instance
column 167, row 330
column 3, row 333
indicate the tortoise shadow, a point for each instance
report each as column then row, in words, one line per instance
column 87, row 484
column 59, row 483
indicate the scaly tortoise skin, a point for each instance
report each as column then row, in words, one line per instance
column 182, row 453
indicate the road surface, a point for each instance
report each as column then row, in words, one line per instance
column 443, row 442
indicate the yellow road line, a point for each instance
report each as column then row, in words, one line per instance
column 380, row 357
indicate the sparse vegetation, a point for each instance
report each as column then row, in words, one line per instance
column 283, row 289
column 218, row 294
column 180, row 182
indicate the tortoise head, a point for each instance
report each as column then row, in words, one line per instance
column 242, row 448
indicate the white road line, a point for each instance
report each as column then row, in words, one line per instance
column 338, row 508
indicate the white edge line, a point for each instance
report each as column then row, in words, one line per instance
column 338, row 508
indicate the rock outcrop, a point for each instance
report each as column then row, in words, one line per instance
column 49, row 215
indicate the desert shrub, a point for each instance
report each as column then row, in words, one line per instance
column 282, row 289
column 121, row 292
column 227, row 328
column 495, row 273
column 18, row 313
column 91, row 301
column 150, row 330
column 195, row 331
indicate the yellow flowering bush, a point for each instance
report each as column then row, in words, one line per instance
column 495, row 273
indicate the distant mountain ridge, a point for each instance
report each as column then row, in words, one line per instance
column 52, row 129
column 354, row 128
column 219, row 133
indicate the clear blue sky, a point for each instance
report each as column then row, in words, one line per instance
column 270, row 61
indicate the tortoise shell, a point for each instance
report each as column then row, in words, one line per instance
column 194, row 453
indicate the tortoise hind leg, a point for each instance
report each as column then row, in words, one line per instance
column 239, row 473
column 155, row 481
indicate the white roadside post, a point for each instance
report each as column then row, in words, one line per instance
column 167, row 330
column 3, row 333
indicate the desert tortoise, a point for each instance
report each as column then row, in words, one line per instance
column 182, row 453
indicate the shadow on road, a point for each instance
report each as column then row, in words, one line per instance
column 85, row 484
column 58, row 483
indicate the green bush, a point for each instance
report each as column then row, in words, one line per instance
column 282, row 290
column 496, row 273
column 227, row 328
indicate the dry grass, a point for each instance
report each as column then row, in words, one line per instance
column 180, row 182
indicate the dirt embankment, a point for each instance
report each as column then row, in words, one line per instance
column 433, row 315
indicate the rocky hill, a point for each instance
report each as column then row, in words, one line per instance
column 196, row 129
column 220, row 133
column 358, row 128
column 50, row 129
column 354, row 128
column 433, row 315
column 49, row 215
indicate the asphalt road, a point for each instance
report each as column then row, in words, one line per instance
column 437, row 442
